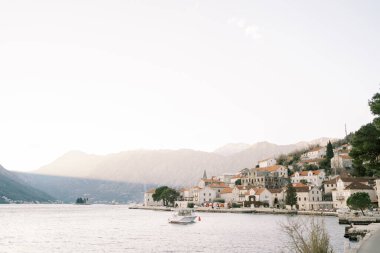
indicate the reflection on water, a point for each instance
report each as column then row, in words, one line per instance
column 102, row 228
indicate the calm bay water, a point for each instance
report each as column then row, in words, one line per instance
column 107, row 228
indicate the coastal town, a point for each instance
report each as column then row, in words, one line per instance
column 266, row 184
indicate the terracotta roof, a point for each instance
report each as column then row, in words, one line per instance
column 358, row 186
column 275, row 190
column 226, row 190
column 297, row 185
column 355, row 179
column 306, row 172
column 270, row 168
column 302, row 189
column 221, row 185
column 151, row 191
column 259, row 191
column 331, row 181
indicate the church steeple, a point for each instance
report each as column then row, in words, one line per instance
column 204, row 175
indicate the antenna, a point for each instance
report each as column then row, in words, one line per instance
column 345, row 128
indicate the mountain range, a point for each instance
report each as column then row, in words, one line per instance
column 172, row 167
column 13, row 189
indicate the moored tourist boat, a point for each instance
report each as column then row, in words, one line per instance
column 183, row 216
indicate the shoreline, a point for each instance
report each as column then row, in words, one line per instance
column 241, row 210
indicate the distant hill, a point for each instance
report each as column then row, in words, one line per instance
column 13, row 188
column 232, row 148
column 174, row 167
column 68, row 189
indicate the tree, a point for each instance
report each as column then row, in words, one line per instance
column 157, row 195
column 374, row 105
column 359, row 201
column 329, row 151
column 366, row 150
column 238, row 182
column 307, row 236
column 166, row 194
column 169, row 196
column 366, row 143
column 291, row 195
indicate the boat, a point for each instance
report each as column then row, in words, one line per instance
column 183, row 216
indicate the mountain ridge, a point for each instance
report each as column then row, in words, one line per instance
column 180, row 167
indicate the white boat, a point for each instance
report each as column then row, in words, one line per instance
column 183, row 216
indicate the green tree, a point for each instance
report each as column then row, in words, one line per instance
column 366, row 150
column 157, row 195
column 374, row 105
column 359, row 201
column 166, row 194
column 291, row 195
column 238, row 182
column 329, row 151
column 366, row 143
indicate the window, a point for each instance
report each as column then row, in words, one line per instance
column 305, row 198
column 204, row 194
column 313, row 198
column 209, row 194
column 299, row 199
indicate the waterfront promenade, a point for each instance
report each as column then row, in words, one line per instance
column 371, row 245
column 240, row 210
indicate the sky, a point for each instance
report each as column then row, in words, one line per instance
column 109, row 76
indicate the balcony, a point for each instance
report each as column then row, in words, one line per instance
column 339, row 197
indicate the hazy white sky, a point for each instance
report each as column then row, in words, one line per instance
column 107, row 76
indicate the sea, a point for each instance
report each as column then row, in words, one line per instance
column 115, row 228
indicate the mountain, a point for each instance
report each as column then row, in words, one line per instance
column 173, row 167
column 68, row 189
column 12, row 188
column 232, row 148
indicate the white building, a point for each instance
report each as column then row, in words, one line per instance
column 260, row 194
column 267, row 162
column 308, row 197
column 313, row 177
column 340, row 161
column 330, row 185
column 345, row 189
column 227, row 195
column 203, row 195
column 148, row 199
column 278, row 196
column 315, row 153
column 275, row 176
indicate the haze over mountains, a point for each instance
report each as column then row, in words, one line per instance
column 12, row 188
column 173, row 167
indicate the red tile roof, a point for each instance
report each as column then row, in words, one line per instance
column 270, row 168
column 358, row 186
column 226, row 190
column 306, row 172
